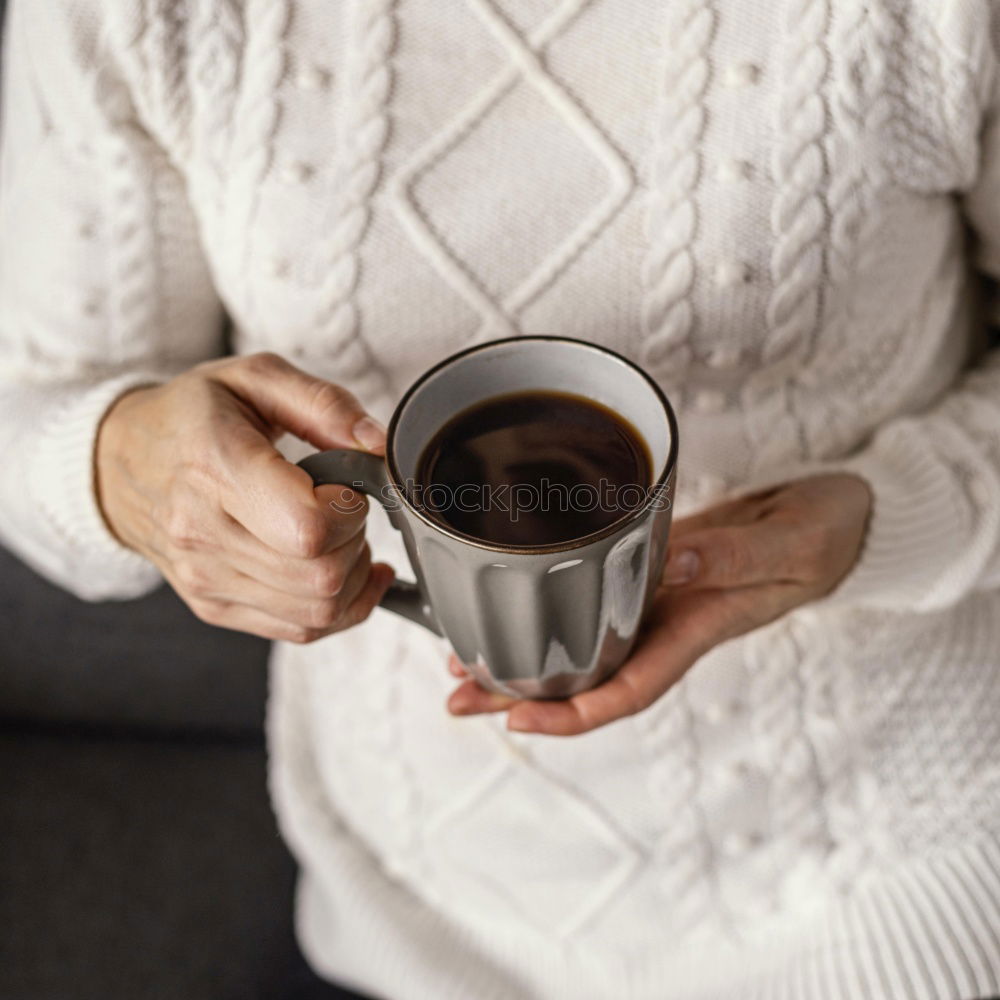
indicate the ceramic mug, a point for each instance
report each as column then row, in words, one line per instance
column 544, row 621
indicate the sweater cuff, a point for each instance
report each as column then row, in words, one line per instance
column 63, row 489
column 918, row 525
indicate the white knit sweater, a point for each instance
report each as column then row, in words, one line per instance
column 765, row 204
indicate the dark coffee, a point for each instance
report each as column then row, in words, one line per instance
column 533, row 468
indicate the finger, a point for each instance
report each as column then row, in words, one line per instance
column 241, row 617
column 320, row 412
column 324, row 576
column 357, row 578
column 688, row 624
column 233, row 587
column 626, row 692
column 237, row 538
column 276, row 500
column 257, row 621
column 314, row 612
column 379, row 580
column 470, row 698
column 648, row 675
column 456, row 667
column 766, row 551
column 341, row 504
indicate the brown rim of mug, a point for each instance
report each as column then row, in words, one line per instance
column 574, row 543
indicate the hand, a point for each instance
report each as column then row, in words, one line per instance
column 188, row 475
column 731, row 568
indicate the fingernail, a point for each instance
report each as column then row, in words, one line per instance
column 369, row 433
column 682, row 566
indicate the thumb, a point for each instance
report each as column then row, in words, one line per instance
column 320, row 412
column 738, row 556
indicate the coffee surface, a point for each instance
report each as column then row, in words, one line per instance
column 533, row 468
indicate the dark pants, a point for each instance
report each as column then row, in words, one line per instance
column 143, row 869
column 304, row 984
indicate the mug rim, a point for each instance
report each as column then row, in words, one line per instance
column 574, row 543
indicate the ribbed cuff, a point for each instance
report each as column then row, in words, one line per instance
column 916, row 530
column 62, row 484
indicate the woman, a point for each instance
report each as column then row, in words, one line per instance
column 789, row 213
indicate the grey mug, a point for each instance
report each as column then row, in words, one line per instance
column 542, row 621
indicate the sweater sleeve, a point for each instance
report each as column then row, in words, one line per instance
column 934, row 534
column 103, row 286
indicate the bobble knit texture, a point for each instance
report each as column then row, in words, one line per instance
column 789, row 211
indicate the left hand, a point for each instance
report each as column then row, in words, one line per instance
column 749, row 560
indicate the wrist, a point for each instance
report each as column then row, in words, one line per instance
column 110, row 448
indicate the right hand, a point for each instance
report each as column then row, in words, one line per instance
column 187, row 475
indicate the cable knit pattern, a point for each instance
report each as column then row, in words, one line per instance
column 795, row 807
column 849, row 199
column 931, row 83
column 673, row 784
column 258, row 112
column 133, row 292
column 860, row 109
column 362, row 139
column 853, row 213
column 799, row 215
column 669, row 271
column 166, row 50
column 218, row 35
column 368, row 186
column 800, row 233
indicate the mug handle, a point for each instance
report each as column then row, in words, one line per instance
column 366, row 472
